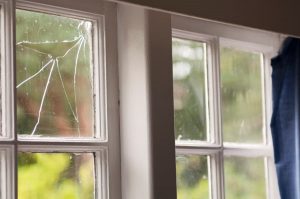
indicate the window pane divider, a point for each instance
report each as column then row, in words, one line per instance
column 60, row 148
column 247, row 152
column 76, row 141
column 219, row 176
column 197, row 151
column 197, row 144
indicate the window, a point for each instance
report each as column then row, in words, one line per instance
column 57, row 133
column 221, row 111
column 60, row 84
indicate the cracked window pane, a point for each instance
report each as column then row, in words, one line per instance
column 56, row 175
column 54, row 75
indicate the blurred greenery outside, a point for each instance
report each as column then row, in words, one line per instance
column 67, row 110
column 241, row 93
column 55, row 176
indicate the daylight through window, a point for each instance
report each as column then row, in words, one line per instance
column 207, row 74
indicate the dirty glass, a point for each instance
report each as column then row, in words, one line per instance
column 56, row 176
column 241, row 90
column 192, row 177
column 54, row 75
column 189, row 62
column 244, row 178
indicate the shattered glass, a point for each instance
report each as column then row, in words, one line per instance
column 54, row 75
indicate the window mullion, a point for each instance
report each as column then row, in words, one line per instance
column 101, row 174
column 214, row 90
column 7, row 173
column 271, row 177
column 7, row 68
column 267, row 86
column 219, row 159
column 216, row 174
column 10, row 98
column 68, row 147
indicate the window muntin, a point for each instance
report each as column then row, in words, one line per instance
column 222, row 148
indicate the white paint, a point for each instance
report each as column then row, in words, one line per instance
column 134, row 103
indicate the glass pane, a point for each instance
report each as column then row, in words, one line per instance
column 189, row 62
column 56, row 176
column 245, row 178
column 192, row 177
column 241, row 96
column 54, row 75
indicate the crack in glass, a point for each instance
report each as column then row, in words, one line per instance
column 54, row 55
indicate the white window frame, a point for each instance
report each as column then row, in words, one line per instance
column 138, row 155
column 246, row 39
column 105, row 145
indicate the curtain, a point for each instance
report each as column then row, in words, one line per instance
column 285, row 118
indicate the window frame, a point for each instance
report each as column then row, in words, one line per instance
column 216, row 35
column 104, row 145
column 113, row 142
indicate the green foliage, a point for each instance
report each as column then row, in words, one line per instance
column 46, row 178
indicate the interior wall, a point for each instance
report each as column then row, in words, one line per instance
column 273, row 15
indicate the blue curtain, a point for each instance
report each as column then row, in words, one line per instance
column 285, row 118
